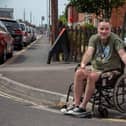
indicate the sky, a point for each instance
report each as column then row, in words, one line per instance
column 34, row 9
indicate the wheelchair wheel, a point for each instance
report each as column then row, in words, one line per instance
column 103, row 112
column 69, row 96
column 119, row 94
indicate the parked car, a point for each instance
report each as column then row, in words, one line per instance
column 34, row 34
column 125, row 36
column 29, row 33
column 125, row 40
column 14, row 28
column 6, row 44
column 25, row 33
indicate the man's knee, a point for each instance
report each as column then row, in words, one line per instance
column 93, row 76
column 80, row 73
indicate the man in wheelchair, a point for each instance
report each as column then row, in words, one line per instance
column 105, row 49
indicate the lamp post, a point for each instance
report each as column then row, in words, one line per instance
column 48, row 18
column 42, row 19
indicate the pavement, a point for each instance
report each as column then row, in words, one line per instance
column 39, row 83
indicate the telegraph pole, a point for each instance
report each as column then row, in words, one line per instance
column 54, row 18
column 24, row 15
column 30, row 17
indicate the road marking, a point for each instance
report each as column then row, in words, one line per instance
column 38, row 68
column 3, row 94
column 17, row 53
column 115, row 120
column 46, row 108
column 33, row 105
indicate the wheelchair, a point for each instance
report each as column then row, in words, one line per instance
column 110, row 93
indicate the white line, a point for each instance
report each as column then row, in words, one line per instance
column 115, row 120
column 18, row 53
column 33, row 105
column 46, row 108
column 29, row 87
column 39, row 68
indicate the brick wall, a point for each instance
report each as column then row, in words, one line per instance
column 117, row 16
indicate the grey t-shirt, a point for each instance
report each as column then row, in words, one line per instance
column 106, row 56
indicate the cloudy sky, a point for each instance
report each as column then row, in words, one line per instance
column 35, row 8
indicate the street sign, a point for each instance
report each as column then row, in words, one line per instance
column 43, row 18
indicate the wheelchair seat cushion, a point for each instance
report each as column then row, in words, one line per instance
column 111, row 74
column 110, row 78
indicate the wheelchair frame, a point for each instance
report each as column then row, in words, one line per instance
column 107, row 95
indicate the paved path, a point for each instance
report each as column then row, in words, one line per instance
column 38, row 82
column 35, row 75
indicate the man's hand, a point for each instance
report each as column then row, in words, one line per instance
column 82, row 65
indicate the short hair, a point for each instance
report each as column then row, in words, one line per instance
column 104, row 20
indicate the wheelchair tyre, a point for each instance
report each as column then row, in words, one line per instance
column 103, row 112
column 119, row 94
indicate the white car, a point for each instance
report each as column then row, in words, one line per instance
column 125, row 40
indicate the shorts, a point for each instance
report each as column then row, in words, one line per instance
column 90, row 68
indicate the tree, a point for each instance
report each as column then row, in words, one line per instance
column 63, row 19
column 124, row 27
column 97, row 6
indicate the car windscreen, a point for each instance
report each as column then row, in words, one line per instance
column 22, row 27
column 11, row 24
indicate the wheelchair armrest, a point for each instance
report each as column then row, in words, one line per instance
column 110, row 74
column 78, row 65
column 110, row 70
column 106, row 73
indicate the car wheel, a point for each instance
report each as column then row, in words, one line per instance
column 3, row 57
column 10, row 51
column 9, row 55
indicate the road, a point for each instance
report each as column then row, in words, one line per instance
column 18, row 112
column 29, row 67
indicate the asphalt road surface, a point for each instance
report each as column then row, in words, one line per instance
column 29, row 67
column 17, row 112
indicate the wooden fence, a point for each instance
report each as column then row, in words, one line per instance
column 78, row 40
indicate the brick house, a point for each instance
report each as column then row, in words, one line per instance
column 117, row 17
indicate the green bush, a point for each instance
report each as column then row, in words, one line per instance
column 87, row 26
